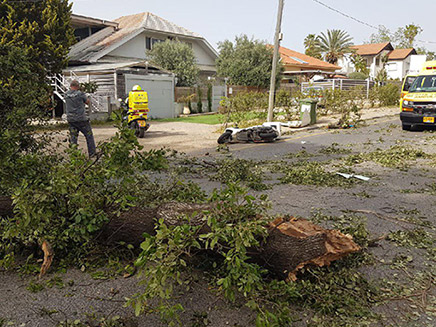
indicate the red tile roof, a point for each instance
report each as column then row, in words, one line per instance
column 372, row 48
column 401, row 54
column 294, row 58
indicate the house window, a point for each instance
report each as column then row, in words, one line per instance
column 392, row 66
column 149, row 42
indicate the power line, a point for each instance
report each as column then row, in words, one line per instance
column 360, row 21
column 345, row 15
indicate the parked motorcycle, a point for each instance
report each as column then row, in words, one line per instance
column 136, row 119
column 267, row 132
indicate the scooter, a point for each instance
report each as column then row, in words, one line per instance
column 267, row 132
column 136, row 119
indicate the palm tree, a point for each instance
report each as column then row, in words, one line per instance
column 334, row 45
column 311, row 44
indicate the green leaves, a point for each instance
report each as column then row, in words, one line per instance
column 246, row 62
column 233, row 228
column 66, row 198
column 177, row 57
column 397, row 156
column 313, row 173
column 334, row 44
column 240, row 170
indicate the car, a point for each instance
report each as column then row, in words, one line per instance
column 418, row 106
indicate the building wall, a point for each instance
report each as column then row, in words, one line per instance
column 136, row 48
column 346, row 64
column 396, row 69
column 160, row 91
column 416, row 63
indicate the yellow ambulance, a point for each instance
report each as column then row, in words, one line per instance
column 418, row 106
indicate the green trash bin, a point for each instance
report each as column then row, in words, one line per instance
column 308, row 107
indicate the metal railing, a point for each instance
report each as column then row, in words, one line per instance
column 340, row 84
column 61, row 84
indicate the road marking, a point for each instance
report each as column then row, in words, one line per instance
column 283, row 140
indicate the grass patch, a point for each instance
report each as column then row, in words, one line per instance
column 202, row 119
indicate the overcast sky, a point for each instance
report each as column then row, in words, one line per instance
column 223, row 19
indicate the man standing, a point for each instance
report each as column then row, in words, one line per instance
column 76, row 116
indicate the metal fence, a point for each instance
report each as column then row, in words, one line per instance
column 340, row 84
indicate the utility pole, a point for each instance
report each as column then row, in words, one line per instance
column 275, row 60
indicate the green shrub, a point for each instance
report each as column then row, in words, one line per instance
column 284, row 99
column 67, row 202
column 389, row 94
column 89, row 87
column 199, row 100
column 358, row 75
column 244, row 107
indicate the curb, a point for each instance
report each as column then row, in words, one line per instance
column 312, row 128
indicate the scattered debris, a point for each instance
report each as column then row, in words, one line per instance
column 348, row 176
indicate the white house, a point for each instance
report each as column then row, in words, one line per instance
column 373, row 54
column 113, row 54
column 402, row 62
column 378, row 56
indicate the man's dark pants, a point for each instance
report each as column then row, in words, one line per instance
column 85, row 128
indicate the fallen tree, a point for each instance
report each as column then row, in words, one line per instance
column 291, row 244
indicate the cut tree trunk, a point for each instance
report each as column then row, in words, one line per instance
column 291, row 243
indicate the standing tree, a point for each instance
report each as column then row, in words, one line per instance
column 35, row 37
column 403, row 38
column 43, row 28
column 246, row 62
column 383, row 35
column 177, row 57
column 360, row 64
column 406, row 36
column 335, row 44
column 311, row 44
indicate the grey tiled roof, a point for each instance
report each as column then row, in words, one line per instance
column 90, row 48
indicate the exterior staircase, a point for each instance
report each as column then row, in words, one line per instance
column 61, row 84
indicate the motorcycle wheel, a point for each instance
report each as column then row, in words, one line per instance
column 225, row 138
column 141, row 132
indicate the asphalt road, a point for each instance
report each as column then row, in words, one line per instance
column 392, row 198
column 313, row 140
